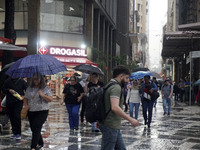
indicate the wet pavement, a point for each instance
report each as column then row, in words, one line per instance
column 180, row 131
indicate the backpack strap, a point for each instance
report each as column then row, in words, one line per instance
column 105, row 88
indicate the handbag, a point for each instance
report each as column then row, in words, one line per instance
column 24, row 113
column 3, row 102
column 154, row 95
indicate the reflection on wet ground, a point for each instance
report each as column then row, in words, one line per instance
column 179, row 131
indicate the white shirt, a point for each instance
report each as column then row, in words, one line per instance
column 133, row 96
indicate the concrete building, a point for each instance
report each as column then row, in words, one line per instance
column 181, row 42
column 139, row 31
column 74, row 31
column 100, row 25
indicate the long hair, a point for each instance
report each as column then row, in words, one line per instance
column 42, row 83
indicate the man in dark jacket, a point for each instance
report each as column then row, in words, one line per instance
column 14, row 104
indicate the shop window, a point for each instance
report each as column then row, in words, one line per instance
column 62, row 15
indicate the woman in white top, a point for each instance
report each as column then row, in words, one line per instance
column 134, row 99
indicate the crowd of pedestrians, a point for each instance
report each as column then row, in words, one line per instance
column 131, row 93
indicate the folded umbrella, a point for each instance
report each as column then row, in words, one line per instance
column 27, row 66
column 86, row 68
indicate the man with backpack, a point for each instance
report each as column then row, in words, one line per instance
column 92, row 84
column 110, row 127
column 166, row 92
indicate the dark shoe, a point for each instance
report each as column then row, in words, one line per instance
column 13, row 136
column 168, row 114
column 96, row 130
column 164, row 113
column 18, row 137
column 149, row 126
column 76, row 128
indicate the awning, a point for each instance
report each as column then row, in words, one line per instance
column 190, row 26
column 175, row 44
column 11, row 47
column 74, row 61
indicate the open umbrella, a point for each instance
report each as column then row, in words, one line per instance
column 140, row 69
column 139, row 75
column 86, row 68
column 6, row 46
column 27, row 66
column 197, row 82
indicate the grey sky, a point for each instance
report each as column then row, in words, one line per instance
column 157, row 19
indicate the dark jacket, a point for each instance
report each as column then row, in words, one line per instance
column 18, row 85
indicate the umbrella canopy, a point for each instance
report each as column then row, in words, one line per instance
column 197, row 82
column 6, row 67
column 139, row 75
column 86, row 68
column 27, row 66
column 155, row 74
column 10, row 47
column 140, row 69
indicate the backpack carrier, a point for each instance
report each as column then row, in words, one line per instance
column 95, row 105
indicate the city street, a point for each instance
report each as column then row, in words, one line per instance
column 180, row 131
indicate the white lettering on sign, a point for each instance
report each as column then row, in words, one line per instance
column 69, row 51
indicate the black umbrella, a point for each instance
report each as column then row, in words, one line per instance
column 86, row 68
column 140, row 69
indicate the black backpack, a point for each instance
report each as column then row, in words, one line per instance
column 155, row 94
column 95, row 105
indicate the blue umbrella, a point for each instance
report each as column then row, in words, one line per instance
column 197, row 82
column 27, row 66
column 140, row 74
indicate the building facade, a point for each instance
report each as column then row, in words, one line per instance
column 74, row 31
column 181, row 43
column 139, row 31
column 181, row 37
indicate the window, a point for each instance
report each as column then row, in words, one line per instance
column 62, row 15
column 20, row 16
column 138, row 7
column 138, row 29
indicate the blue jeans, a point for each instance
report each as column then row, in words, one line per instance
column 73, row 115
column 111, row 139
column 165, row 101
column 147, row 105
column 131, row 107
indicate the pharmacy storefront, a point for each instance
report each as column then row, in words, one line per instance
column 70, row 57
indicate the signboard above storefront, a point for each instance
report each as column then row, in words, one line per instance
column 70, row 56
column 63, row 51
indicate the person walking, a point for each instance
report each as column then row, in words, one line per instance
column 88, row 86
column 84, row 99
column 181, row 86
column 133, row 96
column 166, row 92
column 157, row 84
column 72, row 95
column 146, row 90
column 13, row 104
column 176, row 92
column 110, row 127
column 36, row 101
